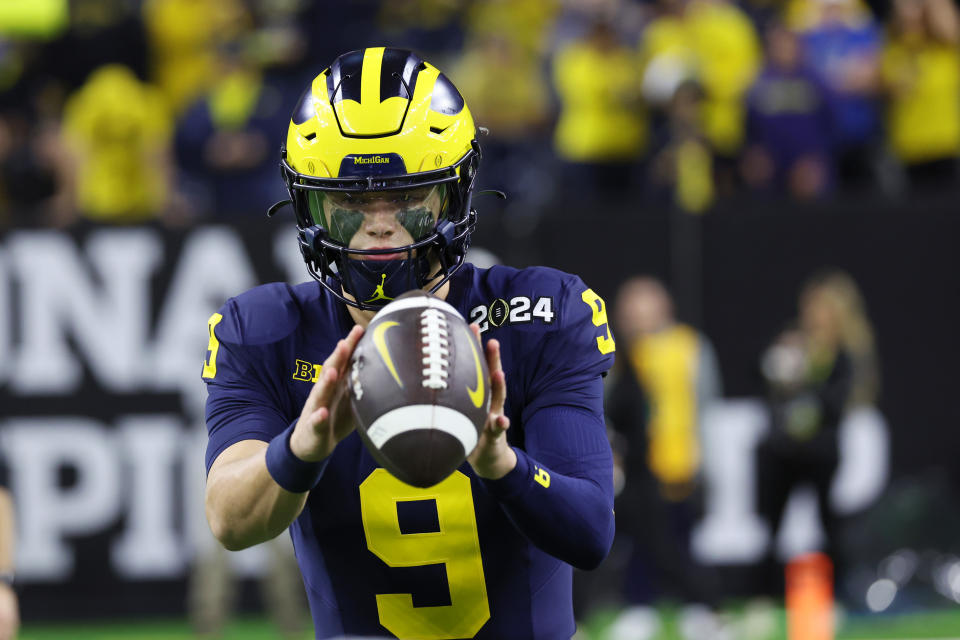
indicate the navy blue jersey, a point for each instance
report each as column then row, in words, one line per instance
column 468, row 557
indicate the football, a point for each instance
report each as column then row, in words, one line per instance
column 418, row 388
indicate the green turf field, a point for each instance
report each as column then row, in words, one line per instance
column 245, row 629
column 916, row 626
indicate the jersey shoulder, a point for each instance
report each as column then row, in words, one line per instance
column 570, row 317
column 544, row 280
column 536, row 298
column 265, row 314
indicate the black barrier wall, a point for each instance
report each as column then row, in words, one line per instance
column 103, row 331
column 753, row 259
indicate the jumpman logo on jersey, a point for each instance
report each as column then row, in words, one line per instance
column 378, row 293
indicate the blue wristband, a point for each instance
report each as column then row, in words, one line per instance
column 289, row 471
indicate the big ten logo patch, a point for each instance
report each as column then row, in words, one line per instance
column 306, row 371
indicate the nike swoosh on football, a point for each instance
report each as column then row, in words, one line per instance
column 476, row 395
column 380, row 341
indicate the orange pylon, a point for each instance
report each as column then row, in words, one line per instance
column 809, row 597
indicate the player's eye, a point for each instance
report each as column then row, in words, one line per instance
column 415, row 195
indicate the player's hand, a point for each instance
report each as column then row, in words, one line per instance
column 9, row 613
column 321, row 425
column 493, row 458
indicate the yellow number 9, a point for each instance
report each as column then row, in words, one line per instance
column 605, row 342
column 456, row 545
column 210, row 364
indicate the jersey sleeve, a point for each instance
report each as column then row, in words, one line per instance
column 560, row 494
column 580, row 350
column 242, row 401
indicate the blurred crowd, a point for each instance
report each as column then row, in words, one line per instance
column 132, row 110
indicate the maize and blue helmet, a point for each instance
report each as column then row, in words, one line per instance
column 381, row 127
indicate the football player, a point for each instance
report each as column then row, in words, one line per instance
column 380, row 161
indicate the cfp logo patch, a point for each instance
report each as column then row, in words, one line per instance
column 306, row 371
column 518, row 310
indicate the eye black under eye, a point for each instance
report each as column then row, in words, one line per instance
column 344, row 224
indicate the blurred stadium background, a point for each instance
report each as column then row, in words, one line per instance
column 729, row 148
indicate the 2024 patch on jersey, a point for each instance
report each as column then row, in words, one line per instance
column 379, row 557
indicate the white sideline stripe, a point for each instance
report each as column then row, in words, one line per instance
column 417, row 302
column 423, row 416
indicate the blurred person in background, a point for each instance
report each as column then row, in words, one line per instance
column 921, row 75
column 816, row 370
column 683, row 165
column 601, row 132
column 715, row 43
column 213, row 590
column 504, row 80
column 431, row 26
column 789, row 128
column 117, row 131
column 842, row 44
column 222, row 142
column 504, row 83
column 183, row 39
column 655, row 403
column 574, row 18
column 31, row 170
column 9, row 607
column 526, row 24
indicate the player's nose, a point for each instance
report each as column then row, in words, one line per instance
column 381, row 222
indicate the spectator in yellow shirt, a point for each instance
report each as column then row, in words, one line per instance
column 118, row 130
column 714, row 42
column 183, row 39
column 656, row 399
column 601, row 132
column 921, row 72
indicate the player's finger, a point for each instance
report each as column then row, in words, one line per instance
column 341, row 354
column 318, row 416
column 314, row 399
column 330, row 370
column 493, row 356
column 496, row 424
column 498, row 379
column 326, row 390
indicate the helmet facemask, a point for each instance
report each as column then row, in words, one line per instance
column 379, row 237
